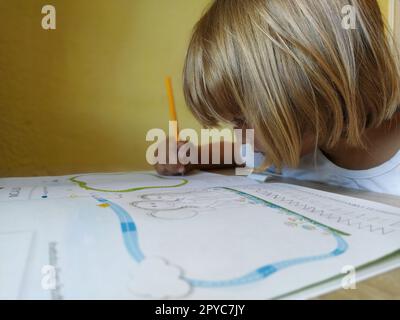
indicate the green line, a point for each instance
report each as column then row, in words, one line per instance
column 291, row 212
column 84, row 185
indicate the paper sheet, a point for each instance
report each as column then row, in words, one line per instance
column 363, row 273
column 14, row 254
column 218, row 237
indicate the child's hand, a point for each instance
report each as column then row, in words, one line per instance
column 173, row 169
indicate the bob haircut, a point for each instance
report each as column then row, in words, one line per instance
column 289, row 67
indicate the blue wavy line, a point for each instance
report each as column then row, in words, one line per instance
column 129, row 230
column 268, row 270
column 131, row 240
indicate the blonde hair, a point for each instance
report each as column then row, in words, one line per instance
column 288, row 67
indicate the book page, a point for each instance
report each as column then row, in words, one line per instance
column 138, row 235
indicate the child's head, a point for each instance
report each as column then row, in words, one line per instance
column 290, row 69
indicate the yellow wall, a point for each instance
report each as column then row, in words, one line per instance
column 385, row 7
column 82, row 98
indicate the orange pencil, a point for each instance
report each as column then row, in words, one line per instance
column 172, row 109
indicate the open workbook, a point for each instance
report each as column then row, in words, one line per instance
column 140, row 235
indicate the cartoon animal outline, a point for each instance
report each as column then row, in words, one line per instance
column 177, row 206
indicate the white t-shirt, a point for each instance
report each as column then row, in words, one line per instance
column 318, row 168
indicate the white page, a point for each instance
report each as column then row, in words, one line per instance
column 113, row 184
column 217, row 237
column 14, row 253
column 363, row 273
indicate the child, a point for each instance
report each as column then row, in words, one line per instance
column 322, row 98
